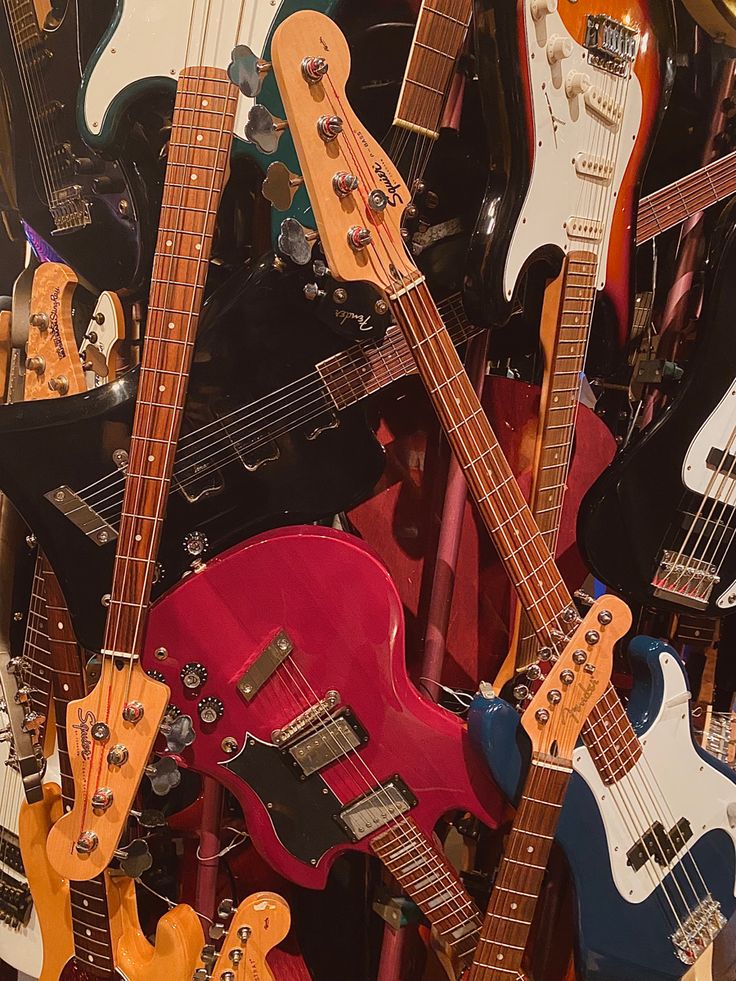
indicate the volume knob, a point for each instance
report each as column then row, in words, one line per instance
column 577, row 83
column 193, row 675
column 558, row 47
column 210, row 710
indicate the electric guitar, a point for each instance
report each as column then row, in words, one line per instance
column 119, row 719
column 361, row 236
column 258, row 925
column 674, row 548
column 552, row 723
column 70, row 195
column 586, row 105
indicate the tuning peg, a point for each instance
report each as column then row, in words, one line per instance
column 164, row 775
column 225, row 909
column 247, row 70
column 296, row 241
column 208, row 955
column 135, row 858
column 263, row 129
column 280, row 186
column 179, row 733
column 149, row 819
column 39, row 320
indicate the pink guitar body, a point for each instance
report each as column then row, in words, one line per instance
column 331, row 603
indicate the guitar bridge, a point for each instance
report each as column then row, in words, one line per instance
column 611, row 45
column 69, row 210
column 698, row 930
column 688, row 580
column 15, row 901
column 81, row 515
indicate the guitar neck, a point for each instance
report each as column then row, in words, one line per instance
column 23, row 24
column 518, row 884
column 199, row 152
column 442, row 26
column 89, row 907
column 669, row 206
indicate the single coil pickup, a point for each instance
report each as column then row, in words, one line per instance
column 327, row 743
column 603, row 105
column 698, row 930
column 612, row 45
column 10, row 851
column 596, row 168
column 659, row 844
column 375, row 809
column 586, row 229
column 81, row 515
column 15, row 901
column 306, row 719
column 721, row 462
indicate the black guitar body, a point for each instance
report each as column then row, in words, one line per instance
column 290, row 460
column 639, row 506
column 119, row 199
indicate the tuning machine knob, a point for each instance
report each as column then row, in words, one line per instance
column 329, row 127
column 36, row 364
column 135, row 858
column 86, row 843
column 39, row 320
column 164, row 775
column 344, row 183
column 263, row 129
column 314, row 69
column 179, row 733
column 210, row 709
column 59, row 384
column 247, row 70
column 313, row 292
column 359, row 238
column 296, row 242
column 280, row 186
column 102, row 799
column 558, row 48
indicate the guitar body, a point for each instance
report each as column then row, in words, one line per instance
column 327, row 595
column 624, row 922
column 638, row 507
column 142, row 51
column 254, row 340
column 178, row 935
column 120, row 192
column 546, row 131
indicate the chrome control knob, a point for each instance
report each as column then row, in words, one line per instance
column 195, row 543
column 193, row 675
column 210, row 710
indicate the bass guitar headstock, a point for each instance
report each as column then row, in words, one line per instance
column 357, row 194
column 105, row 333
column 53, row 366
column 576, row 680
column 258, row 925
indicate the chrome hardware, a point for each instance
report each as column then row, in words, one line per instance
column 59, row 384
column 133, row 712
column 313, row 292
column 210, row 709
column 554, row 696
column 36, row 363
column 521, row 692
column 120, row 459
column 611, row 45
column 86, row 843
column 592, row 637
column 244, row 934
column 589, row 669
column 545, row 653
column 542, row 716
column 376, row 808
column 329, row 742
column 265, row 665
column 280, row 185
column 569, row 614
column 698, row 930
column 247, row 70
column 329, row 127
column 179, row 733
column 585, row 598
column 149, row 818
column 534, row 672
column 227, row 976
column 359, row 237
column 605, row 617
column 314, row 69
column 100, row 732
column 344, row 183
column 579, row 656
column 229, row 745
column 39, row 320
column 377, row 200
column 102, row 799
column 340, row 296
column 296, row 242
column 558, row 47
column 567, row 676
column 542, row 8
column 195, row 543
column 81, row 515
column 685, row 579
column 263, row 129
column 160, row 653
column 117, row 755
column 306, row 718
column 236, row 955
column 193, row 675
column 135, row 858
column 164, row 775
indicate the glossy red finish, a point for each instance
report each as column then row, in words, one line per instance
column 337, row 603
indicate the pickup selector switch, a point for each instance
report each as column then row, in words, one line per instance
column 558, row 47
column 193, row 675
column 210, row 709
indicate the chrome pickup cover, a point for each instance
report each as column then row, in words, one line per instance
column 328, row 743
column 376, row 808
column 81, row 515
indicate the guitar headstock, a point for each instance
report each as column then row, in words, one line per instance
column 53, row 366
column 356, row 192
column 257, row 926
column 577, row 679
column 105, row 333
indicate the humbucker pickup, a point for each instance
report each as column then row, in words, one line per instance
column 326, row 743
column 81, row 515
column 375, row 809
column 10, row 851
column 15, row 901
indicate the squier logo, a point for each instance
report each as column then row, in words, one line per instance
column 392, row 190
column 84, row 725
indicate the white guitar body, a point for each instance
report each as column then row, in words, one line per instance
column 701, row 794
column 152, row 39
column 21, row 948
column 579, row 157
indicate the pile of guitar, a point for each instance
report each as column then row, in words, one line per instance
column 311, row 667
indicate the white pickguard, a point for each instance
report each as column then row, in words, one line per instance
column 153, row 40
column 563, row 128
column 699, row 793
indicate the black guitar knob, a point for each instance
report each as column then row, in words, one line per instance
column 193, row 675
column 210, row 710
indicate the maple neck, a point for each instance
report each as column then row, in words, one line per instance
column 36, row 654
column 199, row 151
column 519, row 879
column 442, row 26
column 93, row 947
column 672, row 204
column 428, row 878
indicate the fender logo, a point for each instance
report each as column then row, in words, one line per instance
column 363, row 321
column 86, row 721
column 575, row 712
column 392, row 190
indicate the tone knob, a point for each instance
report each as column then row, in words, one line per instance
column 210, row 710
column 358, row 237
column 344, row 183
column 558, row 47
column 314, row 69
column 577, row 83
column 196, row 543
column 329, row 127
column 102, row 799
column 542, row 8
column 86, row 843
column 117, row 755
column 193, row 675
column 36, row 363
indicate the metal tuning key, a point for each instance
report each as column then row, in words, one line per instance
column 164, row 775
column 280, row 186
column 296, row 242
column 247, row 70
column 149, row 819
column 135, row 859
column 263, row 129
column 179, row 733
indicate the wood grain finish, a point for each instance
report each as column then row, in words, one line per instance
column 199, row 151
column 53, row 367
column 259, row 924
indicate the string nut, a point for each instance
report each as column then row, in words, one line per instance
column 554, row 696
column 117, row 755
column 579, row 656
column 329, row 127
column 542, row 716
column 133, row 712
column 592, row 637
column 605, row 617
column 358, row 237
column 314, row 69
column 86, row 843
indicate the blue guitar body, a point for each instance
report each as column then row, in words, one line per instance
column 620, row 939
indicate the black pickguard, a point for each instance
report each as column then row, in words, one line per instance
column 113, row 252
column 257, row 335
column 635, row 508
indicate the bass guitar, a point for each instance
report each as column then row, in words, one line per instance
column 258, row 925
column 674, row 548
column 71, row 195
column 622, row 784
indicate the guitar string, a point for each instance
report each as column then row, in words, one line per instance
column 446, row 375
